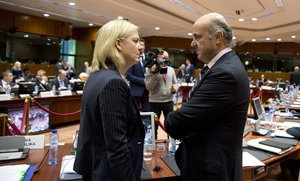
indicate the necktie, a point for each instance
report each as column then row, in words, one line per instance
column 202, row 73
column 62, row 84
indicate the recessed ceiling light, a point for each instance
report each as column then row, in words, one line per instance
column 49, row 39
column 71, row 3
column 241, row 19
column 279, row 39
column 91, row 24
column 157, row 28
column 120, row 17
column 254, row 19
column 268, row 38
column 293, row 36
column 48, row 44
column 253, row 40
column 46, row 15
column 26, row 36
column 190, row 34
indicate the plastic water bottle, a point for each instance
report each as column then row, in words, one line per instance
column 53, row 148
column 36, row 89
column 54, row 89
column 172, row 146
column 69, row 87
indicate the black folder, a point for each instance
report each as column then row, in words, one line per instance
column 276, row 144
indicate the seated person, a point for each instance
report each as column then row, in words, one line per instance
column 71, row 71
column 83, row 76
column 7, row 82
column 61, row 81
column 17, row 71
column 42, row 81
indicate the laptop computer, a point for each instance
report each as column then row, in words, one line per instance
column 12, row 148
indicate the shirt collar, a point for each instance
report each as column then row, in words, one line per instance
column 218, row 56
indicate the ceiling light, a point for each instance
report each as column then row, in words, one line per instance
column 91, row 24
column 49, row 39
column 278, row 3
column 190, row 34
column 253, row 40
column 279, row 39
column 46, row 15
column 120, row 17
column 26, row 36
column 241, row 19
column 54, row 42
column 71, row 4
column 48, row 44
column 254, row 19
column 157, row 28
column 268, row 38
column 293, row 36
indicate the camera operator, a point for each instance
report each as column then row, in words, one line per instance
column 161, row 83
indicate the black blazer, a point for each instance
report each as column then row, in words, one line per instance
column 42, row 87
column 56, row 83
column 189, row 72
column 295, row 78
column 136, row 75
column 211, row 124
column 111, row 133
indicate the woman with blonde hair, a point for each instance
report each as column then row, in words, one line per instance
column 17, row 70
column 111, row 133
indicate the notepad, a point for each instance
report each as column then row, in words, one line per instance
column 276, row 144
column 256, row 144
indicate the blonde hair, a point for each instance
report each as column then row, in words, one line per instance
column 105, row 51
column 16, row 67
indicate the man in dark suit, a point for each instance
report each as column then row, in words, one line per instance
column 189, row 71
column 295, row 76
column 136, row 76
column 111, row 133
column 58, row 66
column 6, row 83
column 61, row 81
column 41, row 81
column 211, row 123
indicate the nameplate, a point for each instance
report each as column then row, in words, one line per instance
column 79, row 92
column 34, row 142
column 46, row 94
column 5, row 97
column 65, row 93
column 23, row 96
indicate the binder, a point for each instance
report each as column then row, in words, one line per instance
column 276, row 144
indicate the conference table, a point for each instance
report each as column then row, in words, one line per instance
column 46, row 172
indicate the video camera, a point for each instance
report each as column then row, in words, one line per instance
column 151, row 59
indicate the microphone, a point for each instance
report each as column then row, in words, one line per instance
column 41, row 85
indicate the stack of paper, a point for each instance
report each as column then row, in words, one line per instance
column 256, row 144
column 13, row 172
column 66, row 170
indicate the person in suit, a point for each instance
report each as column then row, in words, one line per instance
column 41, row 81
column 86, row 67
column 161, row 88
column 71, row 71
column 136, row 76
column 211, row 123
column 111, row 132
column 295, row 76
column 190, row 70
column 181, row 72
column 58, row 66
column 61, row 81
column 7, row 82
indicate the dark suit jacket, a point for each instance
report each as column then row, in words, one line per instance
column 43, row 87
column 211, row 124
column 56, row 83
column 295, row 78
column 10, row 83
column 111, row 133
column 189, row 72
column 136, row 75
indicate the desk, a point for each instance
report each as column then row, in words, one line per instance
column 250, row 173
column 51, row 172
column 59, row 104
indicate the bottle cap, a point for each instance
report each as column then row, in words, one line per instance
column 54, row 131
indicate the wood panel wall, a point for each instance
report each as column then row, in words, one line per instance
column 13, row 21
